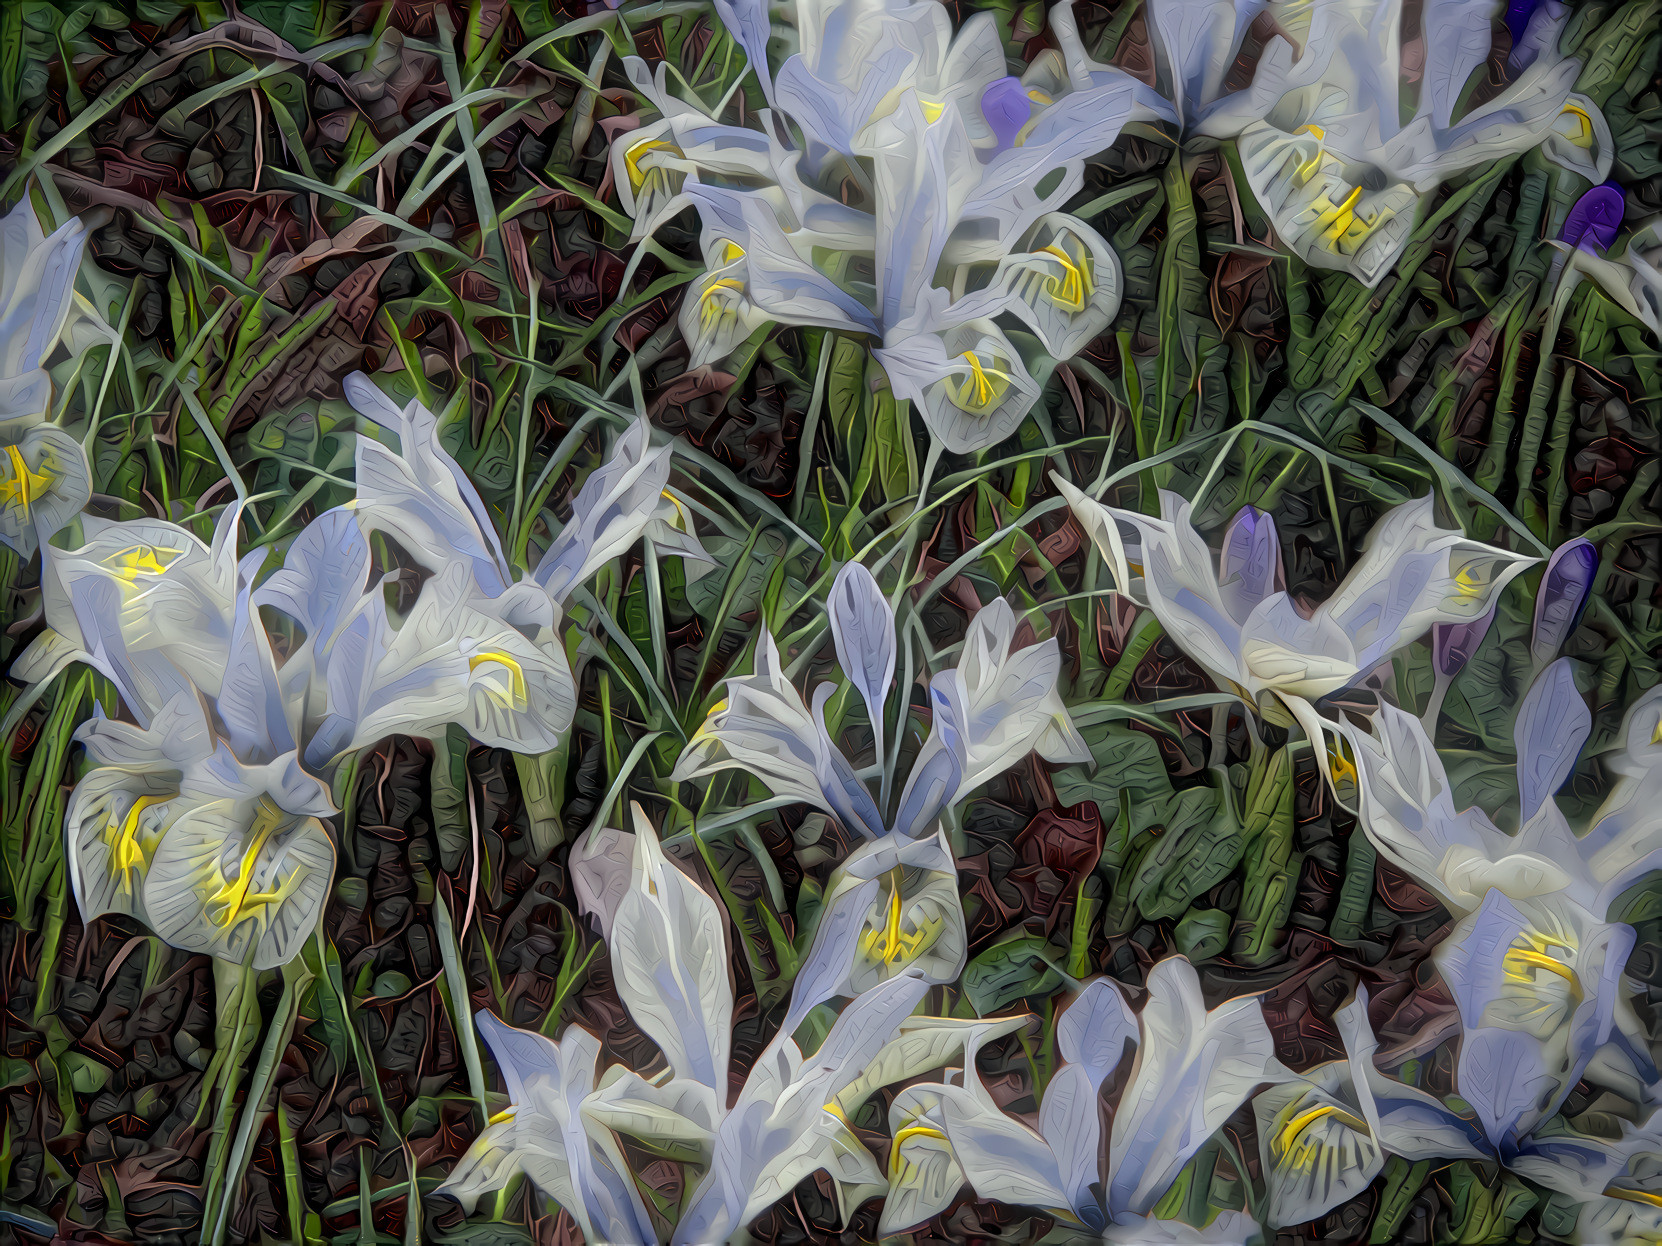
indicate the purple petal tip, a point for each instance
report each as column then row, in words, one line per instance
column 1006, row 107
column 1595, row 219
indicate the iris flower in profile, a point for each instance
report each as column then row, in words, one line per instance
column 199, row 818
column 953, row 234
column 1330, row 157
column 1247, row 632
column 204, row 817
column 479, row 647
column 1192, row 1069
column 893, row 905
column 667, row 941
column 44, row 478
column 1325, row 1134
column 1535, row 968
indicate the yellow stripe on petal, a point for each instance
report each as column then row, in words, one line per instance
column 517, row 697
column 234, row 895
column 639, row 151
column 1074, row 287
column 983, row 388
column 19, row 485
column 903, row 1135
column 126, row 852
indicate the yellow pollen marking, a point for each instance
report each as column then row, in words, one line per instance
column 983, row 387
column 126, row 851
column 709, row 307
column 1339, row 763
column 19, row 485
column 1536, row 960
column 136, row 560
column 1315, row 131
column 891, row 944
column 731, row 252
column 517, row 681
column 1289, row 1133
column 1633, row 1196
column 1039, row 97
column 931, row 109
column 633, row 157
column 1656, row 736
column 1343, row 215
column 233, row 894
column 910, row 1131
column 1074, row 287
column 1586, row 135
column 506, row 1114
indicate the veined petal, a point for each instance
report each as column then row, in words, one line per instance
column 1405, row 1119
column 1623, row 845
column 1456, row 43
column 1317, row 1148
column 602, row 866
column 717, row 314
column 669, row 956
column 547, row 1135
column 780, row 1130
column 152, row 605
column 616, row 505
column 891, row 908
column 779, row 281
column 1536, row 982
column 240, row 879
column 676, row 1119
column 1330, row 211
column 1193, row 1069
column 1001, row 1157
column 44, row 483
column 1407, row 810
column 1553, row 723
column 1413, row 574
column 1250, row 567
column 1064, row 280
column 455, row 660
column 37, row 278
column 971, row 385
column 1091, row 1036
column 1064, row 132
column 1008, row 701
column 924, row 1175
column 1198, row 41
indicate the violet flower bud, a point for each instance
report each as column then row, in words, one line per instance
column 1006, row 107
column 1596, row 218
column 1518, row 13
column 1452, row 644
column 1250, row 563
column 1562, row 597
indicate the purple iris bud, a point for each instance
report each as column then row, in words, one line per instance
column 1596, row 218
column 1006, row 107
column 1518, row 13
column 1452, row 644
column 1562, row 597
column 1249, row 567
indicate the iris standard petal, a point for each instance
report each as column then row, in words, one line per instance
column 1193, row 1069
column 669, row 956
